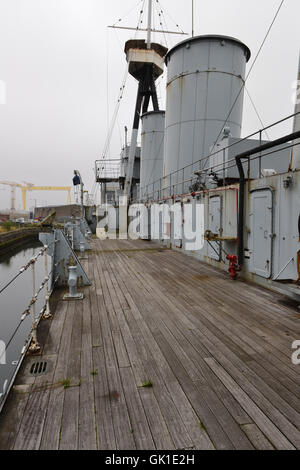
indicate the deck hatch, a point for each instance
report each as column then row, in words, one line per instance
column 38, row 368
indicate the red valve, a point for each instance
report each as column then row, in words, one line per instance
column 233, row 266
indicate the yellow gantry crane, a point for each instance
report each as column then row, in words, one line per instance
column 31, row 187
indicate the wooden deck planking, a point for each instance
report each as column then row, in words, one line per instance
column 87, row 423
column 120, row 415
column 219, row 298
column 173, row 418
column 148, row 350
column 236, row 337
column 217, row 353
column 162, row 367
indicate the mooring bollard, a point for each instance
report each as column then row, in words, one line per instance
column 72, row 283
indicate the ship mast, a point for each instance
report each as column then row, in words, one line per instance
column 149, row 24
column 145, row 64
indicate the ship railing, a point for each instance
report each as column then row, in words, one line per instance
column 182, row 181
column 108, row 170
column 47, row 285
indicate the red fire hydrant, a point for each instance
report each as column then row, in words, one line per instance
column 233, row 266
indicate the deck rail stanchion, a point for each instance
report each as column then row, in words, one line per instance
column 47, row 312
column 34, row 346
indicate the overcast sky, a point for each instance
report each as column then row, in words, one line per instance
column 63, row 69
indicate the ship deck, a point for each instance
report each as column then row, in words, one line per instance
column 164, row 352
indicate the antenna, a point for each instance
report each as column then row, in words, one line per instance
column 149, row 28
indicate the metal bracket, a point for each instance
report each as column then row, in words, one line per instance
column 77, row 234
column 63, row 256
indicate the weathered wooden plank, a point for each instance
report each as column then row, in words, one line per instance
column 51, row 431
column 86, row 420
column 70, row 417
column 206, row 417
column 95, row 326
column 30, row 432
column 103, row 411
column 233, row 430
column 139, row 425
column 230, row 402
column 171, row 415
column 53, row 339
column 203, row 290
column 257, row 438
column 240, row 294
column 120, row 415
column 263, row 422
column 68, row 439
column 236, row 338
column 74, row 365
column 240, row 373
column 159, row 430
column 120, row 348
column 11, row 416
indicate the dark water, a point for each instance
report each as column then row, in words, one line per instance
column 14, row 301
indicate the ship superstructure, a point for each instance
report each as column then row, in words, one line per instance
column 193, row 153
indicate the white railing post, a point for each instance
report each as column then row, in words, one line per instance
column 47, row 313
column 34, row 346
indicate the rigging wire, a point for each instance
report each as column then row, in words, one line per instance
column 172, row 20
column 128, row 13
column 251, row 68
column 111, row 127
column 120, row 96
column 256, row 111
column 160, row 18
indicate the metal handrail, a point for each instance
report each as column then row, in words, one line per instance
column 31, row 307
column 146, row 191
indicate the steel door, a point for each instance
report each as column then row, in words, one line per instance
column 261, row 233
column 215, row 226
column 177, row 225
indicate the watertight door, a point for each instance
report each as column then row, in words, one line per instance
column 261, row 233
column 215, row 226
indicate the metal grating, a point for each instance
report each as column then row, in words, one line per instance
column 38, row 368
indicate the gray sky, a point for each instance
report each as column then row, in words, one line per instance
column 63, row 69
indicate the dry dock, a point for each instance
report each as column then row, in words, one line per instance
column 163, row 353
